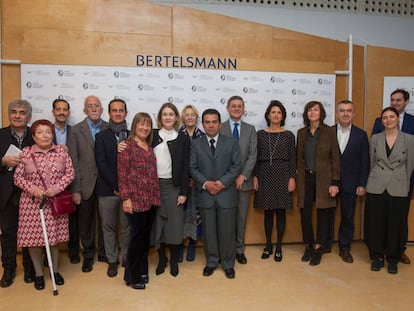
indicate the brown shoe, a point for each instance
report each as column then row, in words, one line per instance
column 346, row 256
column 404, row 259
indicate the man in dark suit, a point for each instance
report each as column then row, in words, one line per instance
column 61, row 113
column 214, row 166
column 81, row 143
column 246, row 135
column 354, row 154
column 17, row 134
column 110, row 206
column 399, row 100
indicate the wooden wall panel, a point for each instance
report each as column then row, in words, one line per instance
column 382, row 62
column 111, row 32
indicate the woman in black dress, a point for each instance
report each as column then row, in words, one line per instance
column 275, row 172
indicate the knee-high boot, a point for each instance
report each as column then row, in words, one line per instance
column 162, row 260
column 174, row 249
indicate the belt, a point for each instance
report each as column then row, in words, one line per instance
column 310, row 172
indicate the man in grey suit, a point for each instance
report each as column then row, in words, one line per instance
column 246, row 135
column 81, row 143
column 214, row 166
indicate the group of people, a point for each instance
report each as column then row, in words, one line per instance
column 148, row 186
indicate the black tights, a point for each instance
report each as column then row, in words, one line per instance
column 280, row 226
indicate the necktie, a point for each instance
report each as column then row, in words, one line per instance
column 236, row 131
column 212, row 148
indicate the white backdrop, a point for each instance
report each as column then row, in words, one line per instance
column 393, row 83
column 145, row 89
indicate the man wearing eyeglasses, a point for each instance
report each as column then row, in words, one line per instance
column 81, row 143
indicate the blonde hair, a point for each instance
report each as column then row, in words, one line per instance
column 193, row 108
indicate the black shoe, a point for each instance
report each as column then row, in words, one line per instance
column 278, row 256
column 59, row 280
column 392, row 268
column 316, row 257
column 208, row 270
column 266, row 253
column 307, row 255
column 87, row 265
column 161, row 267
column 112, row 269
column 39, row 282
column 241, row 258
column 230, row 273
column 139, row 285
column 145, row 278
column 29, row 275
column 74, row 259
column 7, row 278
column 377, row 264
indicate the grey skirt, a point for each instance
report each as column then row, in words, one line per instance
column 169, row 221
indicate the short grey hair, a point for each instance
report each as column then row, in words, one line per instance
column 21, row 103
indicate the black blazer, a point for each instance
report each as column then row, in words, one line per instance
column 355, row 161
column 106, row 156
column 180, row 157
column 6, row 176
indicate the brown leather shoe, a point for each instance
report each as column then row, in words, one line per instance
column 346, row 256
column 404, row 259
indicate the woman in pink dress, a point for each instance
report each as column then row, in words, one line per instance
column 45, row 171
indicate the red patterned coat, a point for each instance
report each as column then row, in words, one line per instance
column 55, row 166
column 137, row 177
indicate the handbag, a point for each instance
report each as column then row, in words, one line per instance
column 61, row 203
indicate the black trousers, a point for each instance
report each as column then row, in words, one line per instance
column 323, row 215
column 140, row 224
column 386, row 223
column 9, row 218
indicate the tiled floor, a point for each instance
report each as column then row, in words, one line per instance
column 259, row 285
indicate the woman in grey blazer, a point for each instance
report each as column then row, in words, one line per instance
column 392, row 162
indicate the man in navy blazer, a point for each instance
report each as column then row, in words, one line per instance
column 61, row 113
column 399, row 100
column 214, row 166
column 110, row 206
column 354, row 154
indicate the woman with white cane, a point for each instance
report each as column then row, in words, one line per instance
column 45, row 171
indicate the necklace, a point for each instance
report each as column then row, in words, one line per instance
column 272, row 151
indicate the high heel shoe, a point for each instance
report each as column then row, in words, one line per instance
column 161, row 267
column 174, row 268
column 278, row 255
column 39, row 282
column 266, row 253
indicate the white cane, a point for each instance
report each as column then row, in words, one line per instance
column 49, row 257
